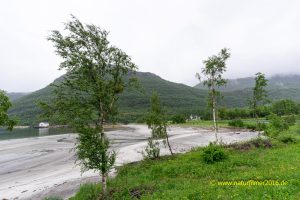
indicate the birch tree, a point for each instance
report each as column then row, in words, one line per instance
column 86, row 99
column 259, row 95
column 157, row 121
column 212, row 72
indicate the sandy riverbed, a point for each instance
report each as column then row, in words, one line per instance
column 34, row 168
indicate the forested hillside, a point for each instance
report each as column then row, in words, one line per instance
column 16, row 95
column 178, row 98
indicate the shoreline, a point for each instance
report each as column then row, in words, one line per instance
column 39, row 167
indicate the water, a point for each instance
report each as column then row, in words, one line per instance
column 32, row 132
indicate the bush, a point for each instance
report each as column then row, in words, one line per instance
column 278, row 124
column 178, row 119
column 255, row 143
column 213, row 153
column 152, row 150
column 251, row 126
column 290, row 119
column 236, row 123
column 261, row 127
column 288, row 139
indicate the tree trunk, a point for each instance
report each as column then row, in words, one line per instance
column 215, row 124
column 214, row 116
column 104, row 185
column 167, row 137
column 214, row 109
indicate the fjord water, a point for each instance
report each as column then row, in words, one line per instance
column 32, row 132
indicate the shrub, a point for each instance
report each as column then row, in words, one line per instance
column 290, row 119
column 278, row 124
column 213, row 153
column 152, row 150
column 288, row 139
column 250, row 126
column 261, row 127
column 178, row 119
column 236, row 123
column 255, row 143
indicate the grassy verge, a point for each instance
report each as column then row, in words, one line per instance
column 187, row 176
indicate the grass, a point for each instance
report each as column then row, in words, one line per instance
column 187, row 176
column 205, row 124
column 209, row 124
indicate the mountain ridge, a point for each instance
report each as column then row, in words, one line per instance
column 177, row 97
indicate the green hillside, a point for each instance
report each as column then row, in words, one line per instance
column 16, row 95
column 178, row 98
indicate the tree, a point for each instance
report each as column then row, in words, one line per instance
column 213, row 71
column 157, row 121
column 285, row 107
column 259, row 96
column 5, row 104
column 86, row 99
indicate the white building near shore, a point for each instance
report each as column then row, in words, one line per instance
column 43, row 125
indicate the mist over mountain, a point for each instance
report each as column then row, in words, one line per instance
column 274, row 82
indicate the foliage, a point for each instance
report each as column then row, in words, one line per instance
column 252, row 144
column 259, row 94
column 288, row 138
column 236, row 123
column 277, row 124
column 157, row 121
column 5, row 104
column 86, row 97
column 289, row 119
column 214, row 68
column 152, row 150
column 178, row 119
column 213, row 153
column 285, row 107
column 132, row 104
column 187, row 175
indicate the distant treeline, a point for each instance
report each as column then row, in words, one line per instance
column 280, row 108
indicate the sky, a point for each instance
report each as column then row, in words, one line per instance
column 170, row 38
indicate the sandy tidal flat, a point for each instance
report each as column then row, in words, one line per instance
column 35, row 168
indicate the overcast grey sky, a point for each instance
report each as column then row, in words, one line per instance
column 170, row 38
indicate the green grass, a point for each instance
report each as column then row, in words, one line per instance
column 187, row 176
column 205, row 123
column 209, row 124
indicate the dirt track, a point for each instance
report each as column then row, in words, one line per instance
column 34, row 168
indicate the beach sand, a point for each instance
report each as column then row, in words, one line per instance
column 39, row 167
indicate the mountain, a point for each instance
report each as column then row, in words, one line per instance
column 178, row 98
column 238, row 91
column 274, row 82
column 15, row 95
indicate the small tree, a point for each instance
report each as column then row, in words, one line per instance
column 86, row 99
column 5, row 104
column 157, row 122
column 259, row 96
column 213, row 71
